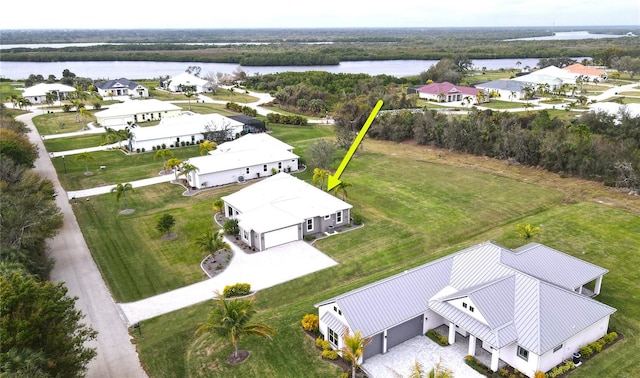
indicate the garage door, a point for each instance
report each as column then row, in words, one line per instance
column 281, row 236
column 373, row 348
column 405, row 331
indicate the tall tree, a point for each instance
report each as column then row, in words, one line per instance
column 342, row 188
column 207, row 146
column 121, row 191
column 164, row 154
column 86, row 157
column 232, row 319
column 187, row 168
column 41, row 333
column 319, row 175
column 165, row 223
column 354, row 346
column 174, row 164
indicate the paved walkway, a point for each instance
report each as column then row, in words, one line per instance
column 261, row 270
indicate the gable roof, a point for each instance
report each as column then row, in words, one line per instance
column 187, row 79
column 505, row 85
column 551, row 75
column 44, row 88
column 186, row 123
column 446, row 87
column 131, row 107
column 280, row 200
column 117, row 83
column 516, row 305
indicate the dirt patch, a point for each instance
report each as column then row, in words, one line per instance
column 127, row 211
column 169, row 236
column 239, row 358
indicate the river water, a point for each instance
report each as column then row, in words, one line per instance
column 151, row 70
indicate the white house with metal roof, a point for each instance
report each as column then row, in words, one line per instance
column 185, row 81
column 118, row 116
column 528, row 307
column 37, row 94
column 121, row 87
column 281, row 209
column 507, row 90
column 249, row 157
column 185, row 127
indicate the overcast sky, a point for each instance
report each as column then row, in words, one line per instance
column 132, row 14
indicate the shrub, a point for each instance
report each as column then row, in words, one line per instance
column 137, row 150
column 330, row 354
column 438, row 338
column 538, row 374
column 164, row 145
column 143, row 149
column 322, row 343
column 503, row 372
column 230, row 227
column 356, row 219
column 309, row 238
column 586, row 351
column 477, row 365
column 236, row 290
column 310, row 322
column 610, row 337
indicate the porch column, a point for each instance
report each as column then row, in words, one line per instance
column 580, row 290
column 472, row 345
column 596, row 291
column 495, row 357
column 452, row 333
column 384, row 341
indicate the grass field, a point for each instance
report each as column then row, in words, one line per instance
column 72, row 143
column 418, row 204
column 58, row 123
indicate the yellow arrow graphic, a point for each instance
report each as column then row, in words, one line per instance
column 334, row 180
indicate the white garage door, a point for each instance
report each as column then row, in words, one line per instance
column 281, row 236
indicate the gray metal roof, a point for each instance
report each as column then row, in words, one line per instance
column 553, row 266
column 334, row 323
column 505, row 85
column 111, row 83
column 517, row 305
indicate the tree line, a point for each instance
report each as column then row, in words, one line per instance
column 41, row 334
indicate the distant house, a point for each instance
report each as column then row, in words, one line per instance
column 551, row 76
column 248, row 157
column 616, row 110
column 186, row 82
column 185, row 127
column 37, row 94
column 446, row 92
column 585, row 71
column 121, row 87
column 507, row 90
column 252, row 125
column 529, row 307
column 136, row 111
column 281, row 209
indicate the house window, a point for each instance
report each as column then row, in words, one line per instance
column 464, row 304
column 523, row 353
column 333, row 337
column 247, row 170
column 471, row 308
column 339, row 217
column 264, row 168
column 310, row 224
column 245, row 235
column 557, row 348
column 230, row 211
column 327, row 217
column 279, row 165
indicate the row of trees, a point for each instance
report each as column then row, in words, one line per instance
column 41, row 331
column 596, row 146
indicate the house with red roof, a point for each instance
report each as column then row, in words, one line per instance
column 447, row 92
column 590, row 72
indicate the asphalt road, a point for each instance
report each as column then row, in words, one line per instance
column 75, row 267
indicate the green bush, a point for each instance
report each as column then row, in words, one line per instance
column 586, row 351
column 477, row 365
column 503, row 372
column 356, row 219
column 437, row 338
column 236, row 290
column 231, row 227
column 610, row 337
column 330, row 354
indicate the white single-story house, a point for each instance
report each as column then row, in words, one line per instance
column 185, row 81
column 281, row 209
column 248, row 157
column 118, row 116
column 529, row 307
column 616, row 110
column 507, row 90
column 447, row 92
column 552, row 76
column 184, row 127
column 121, row 87
column 37, row 94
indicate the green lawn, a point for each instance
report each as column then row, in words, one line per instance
column 66, row 144
column 416, row 207
column 58, row 123
column 500, row 105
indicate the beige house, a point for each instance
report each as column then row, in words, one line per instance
column 118, row 116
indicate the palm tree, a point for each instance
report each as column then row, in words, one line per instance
column 174, row 163
column 189, row 93
column 164, row 154
column 342, row 187
column 84, row 113
column 207, row 146
column 319, row 175
column 354, row 346
column 186, row 172
column 121, row 191
column 87, row 157
column 232, row 319
column 211, row 242
column 527, row 232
